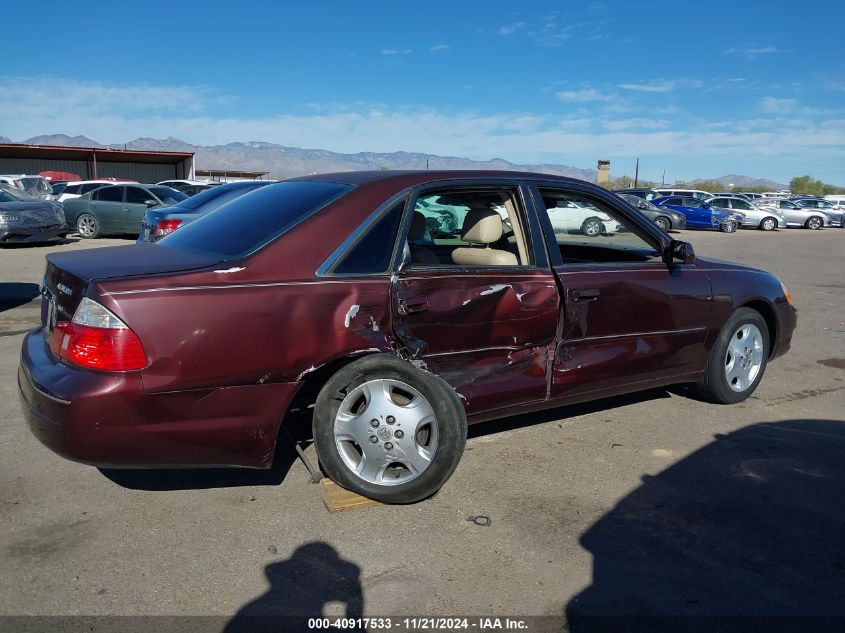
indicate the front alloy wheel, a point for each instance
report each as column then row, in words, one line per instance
column 592, row 227
column 814, row 223
column 663, row 223
column 768, row 224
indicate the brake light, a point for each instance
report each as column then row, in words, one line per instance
column 167, row 226
column 97, row 339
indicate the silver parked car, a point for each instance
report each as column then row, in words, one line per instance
column 763, row 218
column 796, row 215
column 665, row 218
column 831, row 209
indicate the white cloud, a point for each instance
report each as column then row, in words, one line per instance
column 118, row 113
column 587, row 94
column 510, row 29
column 439, row 47
column 395, row 51
column 752, row 52
column 777, row 106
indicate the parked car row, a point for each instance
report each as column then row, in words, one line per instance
column 750, row 210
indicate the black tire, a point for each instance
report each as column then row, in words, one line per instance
column 663, row 222
column 713, row 386
column 88, row 226
column 728, row 227
column 814, row 223
column 450, row 419
column 592, row 227
column 768, row 224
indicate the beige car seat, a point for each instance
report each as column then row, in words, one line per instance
column 482, row 226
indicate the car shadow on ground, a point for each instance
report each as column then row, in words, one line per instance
column 298, row 426
column 563, row 412
column 14, row 295
column 300, row 588
column 747, row 533
column 163, row 479
column 57, row 242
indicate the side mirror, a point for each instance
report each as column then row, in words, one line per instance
column 642, row 205
column 680, row 252
column 151, row 203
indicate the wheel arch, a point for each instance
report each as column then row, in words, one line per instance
column 767, row 311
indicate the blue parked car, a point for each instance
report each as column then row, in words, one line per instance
column 699, row 214
column 159, row 222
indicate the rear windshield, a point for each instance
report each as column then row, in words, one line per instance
column 210, row 199
column 249, row 222
column 167, row 195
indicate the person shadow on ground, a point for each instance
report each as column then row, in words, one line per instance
column 300, row 588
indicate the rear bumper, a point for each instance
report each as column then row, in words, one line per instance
column 32, row 234
column 107, row 418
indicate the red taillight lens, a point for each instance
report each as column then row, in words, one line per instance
column 167, row 226
column 108, row 349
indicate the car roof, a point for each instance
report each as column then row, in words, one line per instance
column 408, row 178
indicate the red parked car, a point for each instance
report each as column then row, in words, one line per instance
column 402, row 304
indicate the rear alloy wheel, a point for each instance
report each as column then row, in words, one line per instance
column 388, row 431
column 768, row 224
column 738, row 359
column 663, row 223
column 728, row 226
column 813, row 223
column 87, row 226
column 592, row 227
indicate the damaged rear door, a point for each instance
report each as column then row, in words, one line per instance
column 477, row 302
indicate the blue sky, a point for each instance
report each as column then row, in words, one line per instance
column 697, row 89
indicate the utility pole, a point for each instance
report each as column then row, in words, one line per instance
column 663, row 180
column 426, row 163
column 637, row 172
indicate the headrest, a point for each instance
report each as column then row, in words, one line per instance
column 482, row 226
column 417, row 231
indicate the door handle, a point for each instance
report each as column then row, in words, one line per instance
column 590, row 294
column 409, row 306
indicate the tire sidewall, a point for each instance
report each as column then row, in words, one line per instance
column 663, row 223
column 720, row 391
column 450, row 419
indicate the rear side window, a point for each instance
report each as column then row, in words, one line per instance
column 373, row 251
column 248, row 223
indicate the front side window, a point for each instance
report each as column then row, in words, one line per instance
column 136, row 195
column 589, row 231
column 466, row 227
column 109, row 194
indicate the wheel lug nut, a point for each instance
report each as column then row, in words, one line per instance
column 399, row 435
column 373, row 439
column 388, row 446
column 391, row 419
column 374, row 423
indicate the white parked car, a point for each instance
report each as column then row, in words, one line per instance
column 69, row 190
column 695, row 193
column 570, row 217
column 758, row 217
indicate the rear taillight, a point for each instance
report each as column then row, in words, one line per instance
column 97, row 339
column 167, row 226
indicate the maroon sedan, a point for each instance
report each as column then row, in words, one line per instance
column 402, row 305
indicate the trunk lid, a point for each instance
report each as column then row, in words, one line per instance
column 68, row 274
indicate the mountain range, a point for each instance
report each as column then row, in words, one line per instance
column 285, row 162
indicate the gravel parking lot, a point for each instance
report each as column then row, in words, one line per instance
column 654, row 503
